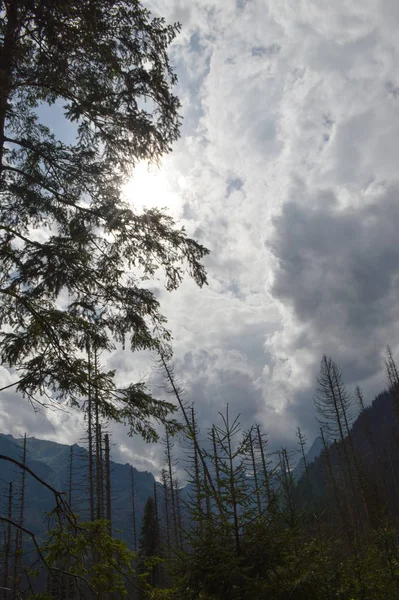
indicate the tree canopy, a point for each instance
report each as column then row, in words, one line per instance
column 75, row 254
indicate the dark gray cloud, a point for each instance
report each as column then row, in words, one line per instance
column 339, row 270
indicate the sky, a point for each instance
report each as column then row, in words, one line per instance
column 287, row 170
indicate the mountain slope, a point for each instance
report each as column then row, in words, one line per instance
column 375, row 435
column 51, row 462
column 314, row 452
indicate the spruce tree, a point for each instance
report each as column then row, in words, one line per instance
column 75, row 254
column 149, row 545
column 149, row 536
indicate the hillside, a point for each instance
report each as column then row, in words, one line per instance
column 376, row 445
column 50, row 461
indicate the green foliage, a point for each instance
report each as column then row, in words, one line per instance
column 88, row 551
column 232, row 541
column 149, row 581
column 76, row 257
column 283, row 551
column 149, row 544
column 225, row 487
column 240, row 551
column 272, row 563
column 150, row 564
column 372, row 573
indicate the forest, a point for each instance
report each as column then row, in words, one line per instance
column 80, row 272
column 247, row 522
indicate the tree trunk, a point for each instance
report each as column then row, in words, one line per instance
column 108, row 482
column 18, row 534
column 7, row 60
column 134, row 518
column 255, row 471
column 7, row 541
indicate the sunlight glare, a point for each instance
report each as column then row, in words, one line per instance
column 149, row 187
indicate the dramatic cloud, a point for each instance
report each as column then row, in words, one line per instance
column 343, row 284
column 287, row 171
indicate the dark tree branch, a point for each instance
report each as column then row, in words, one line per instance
column 49, row 568
column 61, row 503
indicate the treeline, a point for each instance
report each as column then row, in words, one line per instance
column 243, row 527
column 251, row 530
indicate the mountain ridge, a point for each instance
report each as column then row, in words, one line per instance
column 51, row 462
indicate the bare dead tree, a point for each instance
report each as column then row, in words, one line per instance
column 171, row 486
column 108, row 482
column 134, row 515
column 167, row 371
column 18, row 544
column 261, row 444
column 302, row 441
column 166, row 509
column 90, row 434
column 8, row 538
